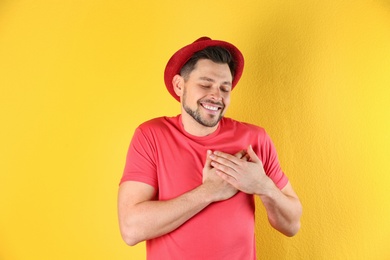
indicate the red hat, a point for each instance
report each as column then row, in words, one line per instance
column 177, row 61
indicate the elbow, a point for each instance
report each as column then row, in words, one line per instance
column 289, row 230
column 129, row 240
column 129, row 235
column 293, row 229
column 295, row 225
column 288, row 227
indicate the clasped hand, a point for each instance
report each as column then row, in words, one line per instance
column 244, row 170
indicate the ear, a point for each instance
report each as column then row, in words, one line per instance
column 178, row 84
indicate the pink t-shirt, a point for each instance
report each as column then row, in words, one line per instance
column 163, row 155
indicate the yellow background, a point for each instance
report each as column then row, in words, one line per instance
column 77, row 77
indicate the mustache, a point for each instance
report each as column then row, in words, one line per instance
column 211, row 102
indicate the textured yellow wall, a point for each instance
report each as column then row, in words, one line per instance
column 76, row 78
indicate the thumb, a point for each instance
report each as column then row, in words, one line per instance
column 252, row 155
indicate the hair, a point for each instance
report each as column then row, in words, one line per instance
column 216, row 54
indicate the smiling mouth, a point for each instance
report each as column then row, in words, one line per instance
column 211, row 107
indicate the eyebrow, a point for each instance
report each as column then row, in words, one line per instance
column 213, row 81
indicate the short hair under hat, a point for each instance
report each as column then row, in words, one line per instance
column 179, row 59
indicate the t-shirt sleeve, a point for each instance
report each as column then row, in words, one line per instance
column 140, row 161
column 271, row 163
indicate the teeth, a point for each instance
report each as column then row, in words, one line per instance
column 211, row 108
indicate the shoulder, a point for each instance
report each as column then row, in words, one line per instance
column 229, row 123
column 158, row 123
column 158, row 127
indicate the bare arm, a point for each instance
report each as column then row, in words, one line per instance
column 283, row 207
column 142, row 218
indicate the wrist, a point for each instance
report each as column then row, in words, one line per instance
column 206, row 194
column 266, row 189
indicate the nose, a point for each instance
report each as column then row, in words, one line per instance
column 216, row 94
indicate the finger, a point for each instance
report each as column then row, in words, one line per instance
column 246, row 157
column 225, row 158
column 252, row 155
column 223, row 167
column 241, row 154
column 227, row 177
column 223, row 164
column 208, row 159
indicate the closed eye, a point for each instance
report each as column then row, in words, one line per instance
column 225, row 89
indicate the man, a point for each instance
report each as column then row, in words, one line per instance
column 188, row 184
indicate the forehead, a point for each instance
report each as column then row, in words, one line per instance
column 213, row 70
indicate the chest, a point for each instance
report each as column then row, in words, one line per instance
column 180, row 160
column 179, row 168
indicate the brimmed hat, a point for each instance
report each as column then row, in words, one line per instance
column 177, row 61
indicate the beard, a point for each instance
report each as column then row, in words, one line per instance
column 196, row 114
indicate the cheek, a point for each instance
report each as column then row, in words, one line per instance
column 226, row 100
column 192, row 98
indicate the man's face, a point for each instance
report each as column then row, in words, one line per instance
column 206, row 93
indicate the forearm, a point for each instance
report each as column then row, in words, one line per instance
column 152, row 218
column 283, row 210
